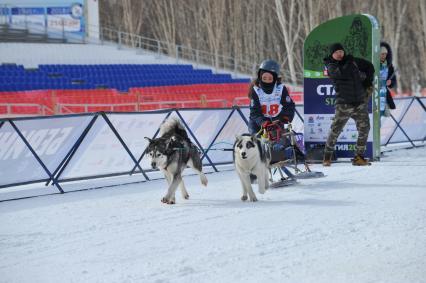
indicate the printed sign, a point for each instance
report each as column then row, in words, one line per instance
column 60, row 19
column 50, row 138
column 28, row 16
column 359, row 36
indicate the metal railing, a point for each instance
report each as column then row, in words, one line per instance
column 69, row 108
column 180, row 52
column 75, row 108
column 24, row 109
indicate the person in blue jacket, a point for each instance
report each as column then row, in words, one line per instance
column 269, row 98
column 387, row 79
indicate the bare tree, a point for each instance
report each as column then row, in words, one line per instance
column 253, row 30
column 163, row 22
column 290, row 22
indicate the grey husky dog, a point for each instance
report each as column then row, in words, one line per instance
column 251, row 157
column 171, row 153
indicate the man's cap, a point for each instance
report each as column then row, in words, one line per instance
column 336, row 46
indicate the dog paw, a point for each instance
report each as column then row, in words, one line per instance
column 244, row 198
column 168, row 201
column 204, row 180
column 186, row 196
column 253, row 199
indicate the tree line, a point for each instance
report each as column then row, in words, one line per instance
column 252, row 30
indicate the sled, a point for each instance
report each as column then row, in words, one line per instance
column 284, row 146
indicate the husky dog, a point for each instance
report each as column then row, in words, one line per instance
column 171, row 153
column 251, row 157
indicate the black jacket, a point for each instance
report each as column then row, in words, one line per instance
column 391, row 75
column 351, row 76
column 287, row 112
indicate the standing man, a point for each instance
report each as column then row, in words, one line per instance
column 353, row 83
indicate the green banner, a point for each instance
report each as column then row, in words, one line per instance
column 359, row 34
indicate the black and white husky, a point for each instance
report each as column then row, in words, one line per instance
column 251, row 157
column 171, row 153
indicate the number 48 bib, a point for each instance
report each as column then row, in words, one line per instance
column 270, row 103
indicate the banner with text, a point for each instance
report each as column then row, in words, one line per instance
column 359, row 36
column 95, row 145
column 59, row 18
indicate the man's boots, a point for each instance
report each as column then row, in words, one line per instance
column 327, row 158
column 359, row 160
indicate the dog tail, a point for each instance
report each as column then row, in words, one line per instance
column 173, row 124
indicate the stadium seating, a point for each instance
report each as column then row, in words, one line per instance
column 64, row 89
column 116, row 76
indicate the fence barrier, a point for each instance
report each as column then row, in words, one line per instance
column 59, row 149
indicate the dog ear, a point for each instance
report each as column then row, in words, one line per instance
column 253, row 138
column 239, row 137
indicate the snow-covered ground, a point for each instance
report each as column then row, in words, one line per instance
column 358, row 224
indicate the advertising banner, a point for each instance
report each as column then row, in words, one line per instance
column 359, row 36
column 28, row 17
column 17, row 164
column 4, row 15
column 68, row 18
column 57, row 18
column 411, row 117
column 50, row 138
column 133, row 129
column 205, row 124
column 388, row 125
column 100, row 153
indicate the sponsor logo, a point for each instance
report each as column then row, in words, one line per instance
column 326, row 90
column 342, row 147
column 345, row 147
column 76, row 11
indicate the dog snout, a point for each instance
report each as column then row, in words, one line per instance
column 153, row 165
column 243, row 154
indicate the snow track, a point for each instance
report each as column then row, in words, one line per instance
column 358, row 224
